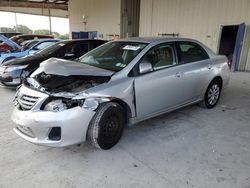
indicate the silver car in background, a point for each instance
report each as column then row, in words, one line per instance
column 119, row 83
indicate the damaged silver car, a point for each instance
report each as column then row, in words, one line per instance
column 119, row 83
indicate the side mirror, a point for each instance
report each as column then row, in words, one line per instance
column 145, row 67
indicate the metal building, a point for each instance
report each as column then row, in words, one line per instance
column 220, row 24
column 223, row 25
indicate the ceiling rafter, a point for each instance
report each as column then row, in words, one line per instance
column 48, row 4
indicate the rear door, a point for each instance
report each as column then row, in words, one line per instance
column 196, row 69
column 161, row 89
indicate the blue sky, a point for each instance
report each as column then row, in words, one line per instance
column 34, row 22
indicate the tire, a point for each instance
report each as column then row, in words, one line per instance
column 107, row 125
column 212, row 95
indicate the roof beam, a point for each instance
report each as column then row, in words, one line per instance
column 27, row 4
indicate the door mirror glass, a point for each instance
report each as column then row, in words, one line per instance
column 145, row 67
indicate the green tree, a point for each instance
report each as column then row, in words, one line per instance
column 64, row 37
column 42, row 32
column 6, row 29
column 46, row 32
column 56, row 35
column 23, row 29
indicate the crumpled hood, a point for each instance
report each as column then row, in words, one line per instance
column 63, row 67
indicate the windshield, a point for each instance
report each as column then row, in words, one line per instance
column 113, row 56
column 51, row 49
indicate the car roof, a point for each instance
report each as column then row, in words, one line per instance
column 45, row 39
column 82, row 40
column 30, row 35
column 156, row 39
column 159, row 40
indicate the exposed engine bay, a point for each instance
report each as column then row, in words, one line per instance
column 57, row 83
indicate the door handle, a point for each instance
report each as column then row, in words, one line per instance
column 209, row 66
column 179, row 74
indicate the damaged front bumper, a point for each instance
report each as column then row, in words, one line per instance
column 53, row 128
column 56, row 129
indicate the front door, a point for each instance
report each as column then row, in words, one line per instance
column 160, row 89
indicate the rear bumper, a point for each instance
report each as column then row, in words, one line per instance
column 35, row 126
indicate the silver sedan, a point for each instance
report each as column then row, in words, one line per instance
column 119, row 83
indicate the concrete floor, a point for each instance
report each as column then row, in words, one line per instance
column 191, row 147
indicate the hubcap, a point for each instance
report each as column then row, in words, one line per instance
column 213, row 94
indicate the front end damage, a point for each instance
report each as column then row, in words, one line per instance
column 55, row 110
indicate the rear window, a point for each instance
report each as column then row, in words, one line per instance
column 192, row 52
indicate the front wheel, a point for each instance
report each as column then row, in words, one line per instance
column 212, row 94
column 107, row 125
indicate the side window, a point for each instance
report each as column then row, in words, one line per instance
column 96, row 44
column 161, row 56
column 20, row 40
column 191, row 52
column 23, row 39
column 44, row 45
column 77, row 50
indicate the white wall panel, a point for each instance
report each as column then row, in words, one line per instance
column 199, row 19
column 102, row 16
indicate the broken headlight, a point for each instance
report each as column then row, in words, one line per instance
column 57, row 105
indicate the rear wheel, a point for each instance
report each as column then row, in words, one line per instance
column 212, row 94
column 107, row 125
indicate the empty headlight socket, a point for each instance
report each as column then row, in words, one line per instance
column 70, row 103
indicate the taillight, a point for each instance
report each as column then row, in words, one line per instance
column 229, row 63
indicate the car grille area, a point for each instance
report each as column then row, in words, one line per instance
column 26, row 102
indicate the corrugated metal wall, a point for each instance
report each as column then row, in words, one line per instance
column 101, row 16
column 198, row 19
column 248, row 61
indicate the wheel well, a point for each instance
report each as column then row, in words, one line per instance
column 126, row 108
column 219, row 79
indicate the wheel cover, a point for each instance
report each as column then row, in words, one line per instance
column 213, row 94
